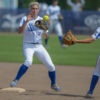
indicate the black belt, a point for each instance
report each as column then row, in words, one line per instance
column 31, row 43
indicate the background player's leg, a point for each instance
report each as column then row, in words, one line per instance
column 59, row 32
column 95, row 77
column 49, row 31
column 28, row 53
column 46, row 41
column 43, row 55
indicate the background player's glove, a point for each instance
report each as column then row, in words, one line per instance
column 60, row 17
column 69, row 38
column 41, row 24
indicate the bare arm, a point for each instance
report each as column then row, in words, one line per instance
column 88, row 40
column 69, row 2
column 82, row 2
column 21, row 29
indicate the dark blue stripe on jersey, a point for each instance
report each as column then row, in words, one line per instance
column 31, row 29
column 98, row 35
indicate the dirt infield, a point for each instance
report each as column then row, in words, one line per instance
column 73, row 80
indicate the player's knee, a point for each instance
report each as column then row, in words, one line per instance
column 60, row 35
column 28, row 63
column 51, row 68
column 96, row 73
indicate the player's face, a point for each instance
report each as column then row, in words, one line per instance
column 76, row 1
column 55, row 3
column 34, row 10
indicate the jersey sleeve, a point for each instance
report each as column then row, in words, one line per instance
column 23, row 20
column 48, row 11
column 59, row 10
column 96, row 35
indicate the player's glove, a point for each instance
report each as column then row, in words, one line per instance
column 69, row 38
column 41, row 24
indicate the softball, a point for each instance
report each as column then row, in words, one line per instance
column 45, row 18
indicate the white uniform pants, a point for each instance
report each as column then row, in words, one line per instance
column 37, row 49
column 97, row 69
column 55, row 25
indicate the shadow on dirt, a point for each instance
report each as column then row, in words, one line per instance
column 46, row 92
column 69, row 95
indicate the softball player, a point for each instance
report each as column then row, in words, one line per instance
column 96, row 73
column 53, row 12
column 77, row 6
column 32, row 44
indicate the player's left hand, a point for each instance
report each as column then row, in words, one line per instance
column 29, row 17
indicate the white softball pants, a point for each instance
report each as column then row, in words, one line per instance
column 37, row 49
column 55, row 25
column 97, row 69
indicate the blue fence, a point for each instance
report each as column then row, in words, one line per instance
column 84, row 22
column 9, row 19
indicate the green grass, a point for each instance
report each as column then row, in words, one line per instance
column 78, row 54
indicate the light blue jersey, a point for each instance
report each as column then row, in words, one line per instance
column 53, row 12
column 32, row 34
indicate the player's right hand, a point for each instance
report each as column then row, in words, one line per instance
column 29, row 17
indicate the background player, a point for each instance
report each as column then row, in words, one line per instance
column 96, row 73
column 77, row 6
column 53, row 12
column 32, row 44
